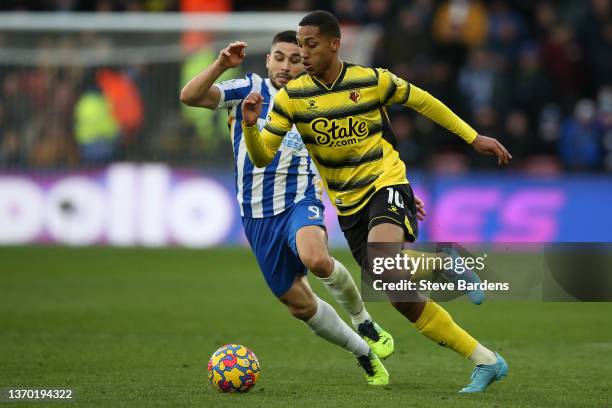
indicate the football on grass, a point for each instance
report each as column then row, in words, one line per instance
column 233, row 368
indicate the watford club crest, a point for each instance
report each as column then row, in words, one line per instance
column 355, row 96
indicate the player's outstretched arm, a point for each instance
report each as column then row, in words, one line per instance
column 261, row 146
column 200, row 90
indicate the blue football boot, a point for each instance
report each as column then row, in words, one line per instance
column 484, row 374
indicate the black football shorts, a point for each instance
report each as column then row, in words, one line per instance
column 391, row 204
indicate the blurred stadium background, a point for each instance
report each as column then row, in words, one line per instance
column 95, row 147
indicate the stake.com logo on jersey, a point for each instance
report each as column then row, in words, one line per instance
column 339, row 132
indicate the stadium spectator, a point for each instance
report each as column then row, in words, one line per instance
column 532, row 87
column 96, row 130
column 126, row 104
column 348, row 12
column 378, row 12
column 581, row 136
column 54, row 147
column 481, row 81
column 562, row 58
column 506, row 29
column 545, row 17
column 411, row 26
column 517, row 135
column 549, row 125
column 10, row 149
column 461, row 22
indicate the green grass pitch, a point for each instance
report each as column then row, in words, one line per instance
column 135, row 327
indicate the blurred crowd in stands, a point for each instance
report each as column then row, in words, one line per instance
column 535, row 74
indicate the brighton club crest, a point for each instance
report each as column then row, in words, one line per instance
column 355, row 96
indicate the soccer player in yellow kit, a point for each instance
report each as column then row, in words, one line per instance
column 339, row 110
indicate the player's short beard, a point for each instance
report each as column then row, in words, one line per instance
column 274, row 83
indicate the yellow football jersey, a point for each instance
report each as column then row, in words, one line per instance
column 346, row 129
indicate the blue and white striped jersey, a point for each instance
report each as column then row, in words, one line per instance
column 267, row 191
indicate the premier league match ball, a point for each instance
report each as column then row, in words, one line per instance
column 233, row 368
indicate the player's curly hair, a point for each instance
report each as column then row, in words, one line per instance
column 288, row 36
column 328, row 23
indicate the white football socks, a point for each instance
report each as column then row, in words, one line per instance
column 327, row 324
column 341, row 286
column 482, row 355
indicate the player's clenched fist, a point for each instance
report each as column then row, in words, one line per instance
column 232, row 55
column 251, row 108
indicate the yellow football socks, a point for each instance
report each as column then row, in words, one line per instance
column 438, row 325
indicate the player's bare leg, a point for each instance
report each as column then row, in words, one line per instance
column 434, row 322
column 323, row 320
column 311, row 242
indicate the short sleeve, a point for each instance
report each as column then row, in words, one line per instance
column 233, row 91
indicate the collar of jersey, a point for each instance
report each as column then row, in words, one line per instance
column 335, row 83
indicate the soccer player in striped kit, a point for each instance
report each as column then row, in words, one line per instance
column 340, row 110
column 282, row 212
